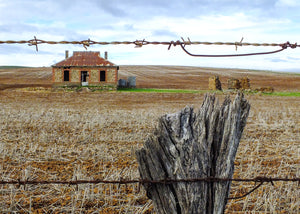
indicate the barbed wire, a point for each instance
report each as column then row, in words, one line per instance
column 140, row 43
column 259, row 179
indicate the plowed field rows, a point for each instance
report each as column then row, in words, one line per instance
column 48, row 135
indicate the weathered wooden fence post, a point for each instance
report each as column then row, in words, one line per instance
column 189, row 145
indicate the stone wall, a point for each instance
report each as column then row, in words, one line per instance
column 94, row 76
column 111, row 75
column 58, row 75
column 75, row 75
column 93, row 79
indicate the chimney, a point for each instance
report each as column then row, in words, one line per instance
column 67, row 54
column 105, row 54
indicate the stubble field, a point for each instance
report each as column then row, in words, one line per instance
column 50, row 135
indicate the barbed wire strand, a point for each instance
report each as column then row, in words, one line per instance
column 76, row 182
column 140, row 43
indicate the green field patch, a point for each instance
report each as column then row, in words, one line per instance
column 158, row 90
column 283, row 94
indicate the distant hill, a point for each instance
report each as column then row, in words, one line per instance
column 12, row 67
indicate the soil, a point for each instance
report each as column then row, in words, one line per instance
column 61, row 135
column 173, row 77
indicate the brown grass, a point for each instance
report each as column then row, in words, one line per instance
column 49, row 135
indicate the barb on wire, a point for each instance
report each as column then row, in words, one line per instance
column 140, row 43
column 86, row 43
column 186, row 42
column 239, row 44
column 34, row 42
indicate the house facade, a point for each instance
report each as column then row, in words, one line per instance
column 85, row 68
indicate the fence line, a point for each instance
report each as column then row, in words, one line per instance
column 259, row 179
column 140, row 43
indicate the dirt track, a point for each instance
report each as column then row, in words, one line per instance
column 161, row 77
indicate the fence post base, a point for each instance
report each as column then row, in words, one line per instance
column 190, row 145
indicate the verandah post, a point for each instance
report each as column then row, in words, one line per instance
column 190, row 145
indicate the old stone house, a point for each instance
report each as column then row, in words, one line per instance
column 85, row 68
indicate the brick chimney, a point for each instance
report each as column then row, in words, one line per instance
column 67, row 54
column 105, row 55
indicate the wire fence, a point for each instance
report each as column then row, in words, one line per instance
column 260, row 180
column 140, row 43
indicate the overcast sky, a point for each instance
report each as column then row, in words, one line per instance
column 263, row 21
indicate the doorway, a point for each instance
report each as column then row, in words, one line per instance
column 84, row 77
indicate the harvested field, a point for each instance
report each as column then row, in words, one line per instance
column 197, row 78
column 46, row 135
column 175, row 77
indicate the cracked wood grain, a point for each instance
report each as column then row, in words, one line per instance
column 194, row 144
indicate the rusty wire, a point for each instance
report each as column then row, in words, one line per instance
column 140, row 43
column 260, row 180
column 283, row 47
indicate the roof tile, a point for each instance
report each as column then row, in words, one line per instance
column 84, row 58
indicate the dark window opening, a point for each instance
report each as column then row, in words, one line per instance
column 102, row 76
column 66, row 75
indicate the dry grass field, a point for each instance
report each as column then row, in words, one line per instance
column 54, row 135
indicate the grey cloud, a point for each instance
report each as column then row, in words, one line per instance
column 189, row 8
column 128, row 27
column 277, row 60
column 103, row 14
column 104, row 11
column 36, row 31
column 163, row 32
column 287, row 59
column 17, row 28
column 293, row 58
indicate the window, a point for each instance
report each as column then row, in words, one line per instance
column 66, row 75
column 102, row 76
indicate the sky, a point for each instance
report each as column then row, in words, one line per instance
column 256, row 21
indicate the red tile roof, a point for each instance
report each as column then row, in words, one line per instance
column 84, row 58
